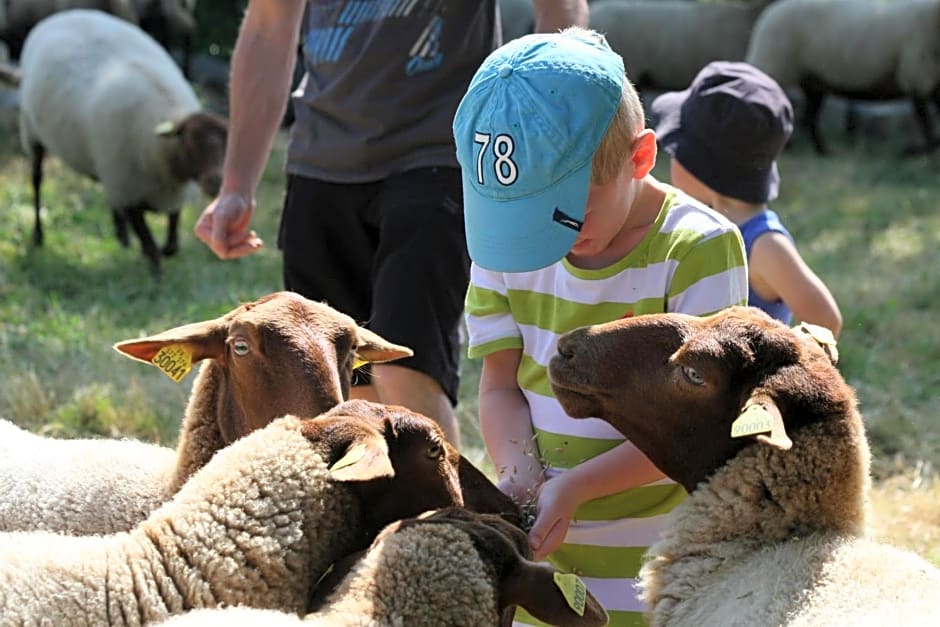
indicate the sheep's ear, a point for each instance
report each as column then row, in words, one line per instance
column 176, row 350
column 364, row 458
column 550, row 596
column 762, row 418
column 822, row 336
column 167, row 128
column 372, row 347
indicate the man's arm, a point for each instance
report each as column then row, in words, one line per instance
column 554, row 15
column 262, row 69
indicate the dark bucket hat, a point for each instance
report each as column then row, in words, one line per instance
column 727, row 129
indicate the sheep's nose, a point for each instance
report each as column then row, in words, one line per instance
column 565, row 348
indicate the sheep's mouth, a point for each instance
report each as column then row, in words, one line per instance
column 565, row 377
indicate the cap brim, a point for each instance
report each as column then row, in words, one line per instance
column 522, row 235
column 666, row 114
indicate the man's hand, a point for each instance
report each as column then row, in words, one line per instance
column 223, row 226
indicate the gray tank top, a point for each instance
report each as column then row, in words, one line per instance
column 383, row 80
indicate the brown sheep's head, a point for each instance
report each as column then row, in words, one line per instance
column 199, row 150
column 479, row 493
column 503, row 550
column 425, row 465
column 675, row 384
column 282, row 354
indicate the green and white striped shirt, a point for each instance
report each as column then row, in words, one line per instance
column 691, row 261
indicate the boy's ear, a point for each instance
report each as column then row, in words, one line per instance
column 643, row 153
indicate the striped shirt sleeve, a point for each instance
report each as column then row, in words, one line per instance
column 490, row 323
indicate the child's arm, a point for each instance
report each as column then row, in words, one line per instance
column 778, row 271
column 621, row 468
column 506, row 424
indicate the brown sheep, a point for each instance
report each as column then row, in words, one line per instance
column 755, row 421
column 282, row 354
column 257, row 526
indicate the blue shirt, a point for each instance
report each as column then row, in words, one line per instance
column 766, row 221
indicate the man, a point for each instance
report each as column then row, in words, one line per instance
column 372, row 220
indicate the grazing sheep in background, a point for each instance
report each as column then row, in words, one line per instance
column 664, row 43
column 257, row 526
column 105, row 98
column 282, row 354
column 449, row 567
column 859, row 49
column 753, row 419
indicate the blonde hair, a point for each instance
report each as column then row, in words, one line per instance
column 628, row 120
column 615, row 146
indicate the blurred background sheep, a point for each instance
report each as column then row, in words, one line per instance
column 861, row 49
column 104, row 97
column 664, row 43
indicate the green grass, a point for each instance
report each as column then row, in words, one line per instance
column 865, row 219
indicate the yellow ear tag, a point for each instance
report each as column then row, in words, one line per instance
column 359, row 363
column 174, row 360
column 822, row 335
column 573, row 589
column 752, row 421
column 353, row 455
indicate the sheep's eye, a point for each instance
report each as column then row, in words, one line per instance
column 435, row 451
column 240, row 347
column 694, row 377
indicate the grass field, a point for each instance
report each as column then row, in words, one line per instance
column 866, row 220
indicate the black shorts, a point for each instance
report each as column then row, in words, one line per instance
column 391, row 254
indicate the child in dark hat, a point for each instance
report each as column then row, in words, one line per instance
column 724, row 134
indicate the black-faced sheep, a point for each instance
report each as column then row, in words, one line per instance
column 759, row 426
column 282, row 354
column 859, row 49
column 449, row 567
column 104, row 97
column 665, row 43
column 257, row 526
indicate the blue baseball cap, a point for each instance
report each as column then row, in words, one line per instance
column 526, row 132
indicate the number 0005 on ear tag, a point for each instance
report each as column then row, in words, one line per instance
column 174, row 360
column 573, row 590
column 753, row 420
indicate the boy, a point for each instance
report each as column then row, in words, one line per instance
column 724, row 134
column 566, row 227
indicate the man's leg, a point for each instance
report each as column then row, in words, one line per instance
column 398, row 385
column 420, row 281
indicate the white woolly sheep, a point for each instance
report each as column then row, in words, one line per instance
column 859, row 49
column 754, row 420
column 665, row 43
column 449, row 567
column 257, row 526
column 104, row 97
column 282, row 354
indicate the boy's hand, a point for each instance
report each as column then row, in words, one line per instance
column 556, row 506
